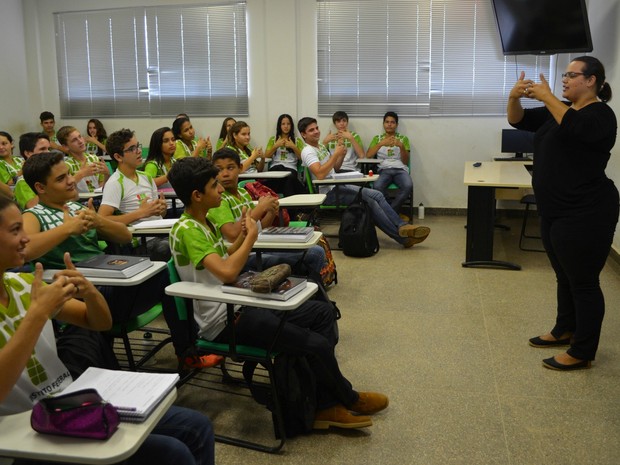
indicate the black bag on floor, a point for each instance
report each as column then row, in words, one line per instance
column 357, row 236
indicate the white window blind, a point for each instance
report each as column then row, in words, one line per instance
column 418, row 58
column 156, row 61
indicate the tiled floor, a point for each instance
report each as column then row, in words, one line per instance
column 449, row 347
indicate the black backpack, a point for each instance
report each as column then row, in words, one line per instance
column 357, row 236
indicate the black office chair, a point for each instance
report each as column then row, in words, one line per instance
column 529, row 201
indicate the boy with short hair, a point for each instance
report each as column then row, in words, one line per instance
column 228, row 216
column 48, row 121
column 393, row 150
column 321, row 164
column 30, row 143
column 89, row 171
column 201, row 256
column 349, row 139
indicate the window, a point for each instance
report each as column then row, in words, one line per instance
column 415, row 57
column 156, row 61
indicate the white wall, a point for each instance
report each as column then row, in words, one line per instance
column 282, row 38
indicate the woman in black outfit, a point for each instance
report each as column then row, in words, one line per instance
column 577, row 203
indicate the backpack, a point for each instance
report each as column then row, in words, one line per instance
column 257, row 190
column 357, row 236
column 296, row 389
column 329, row 274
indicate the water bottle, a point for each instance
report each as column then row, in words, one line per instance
column 421, row 211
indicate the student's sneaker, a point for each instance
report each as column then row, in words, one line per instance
column 201, row 361
column 339, row 417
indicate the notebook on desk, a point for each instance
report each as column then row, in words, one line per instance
column 134, row 394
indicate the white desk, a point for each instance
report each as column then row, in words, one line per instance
column 358, row 180
column 302, row 200
column 481, row 182
column 265, row 175
column 200, row 291
column 48, row 276
column 367, row 163
column 90, row 195
column 19, row 440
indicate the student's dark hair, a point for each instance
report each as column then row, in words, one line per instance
column 7, row 135
column 225, row 154
column 5, row 203
column 392, row 114
column 63, row 134
column 45, row 115
column 224, row 130
column 191, row 174
column 182, row 115
column 340, row 115
column 291, row 133
column 117, row 140
column 155, row 153
column 177, row 124
column 303, row 123
column 593, row 67
column 28, row 141
column 234, row 130
column 38, row 169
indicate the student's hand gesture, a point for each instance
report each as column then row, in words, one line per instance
column 209, row 146
column 149, row 208
column 540, row 91
column 251, row 229
column 340, row 150
column 330, row 137
column 345, row 135
column 257, row 153
column 268, row 204
column 48, row 300
column 83, row 287
column 163, row 208
column 281, row 142
column 78, row 224
column 201, row 144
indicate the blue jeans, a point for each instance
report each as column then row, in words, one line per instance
column 399, row 177
column 384, row 216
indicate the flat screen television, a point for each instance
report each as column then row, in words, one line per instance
column 518, row 143
column 542, row 27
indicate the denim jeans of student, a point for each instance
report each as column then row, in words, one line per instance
column 182, row 436
column 399, row 177
column 384, row 216
column 309, row 330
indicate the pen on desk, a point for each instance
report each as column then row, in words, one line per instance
column 126, row 409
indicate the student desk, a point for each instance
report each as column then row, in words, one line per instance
column 302, row 201
column 48, row 276
column 90, row 195
column 265, row 175
column 481, row 182
column 19, row 440
column 199, row 291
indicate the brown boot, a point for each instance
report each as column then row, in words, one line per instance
column 369, row 403
column 339, row 417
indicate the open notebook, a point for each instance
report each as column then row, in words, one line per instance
column 135, row 395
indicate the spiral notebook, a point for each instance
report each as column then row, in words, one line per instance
column 134, row 394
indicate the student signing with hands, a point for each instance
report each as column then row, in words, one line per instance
column 130, row 195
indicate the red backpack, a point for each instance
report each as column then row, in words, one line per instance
column 257, row 190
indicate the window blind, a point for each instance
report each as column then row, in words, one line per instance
column 156, row 61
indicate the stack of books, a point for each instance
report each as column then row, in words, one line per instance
column 113, row 266
column 134, row 394
column 285, row 234
column 287, row 289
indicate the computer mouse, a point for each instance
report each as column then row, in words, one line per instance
column 477, row 164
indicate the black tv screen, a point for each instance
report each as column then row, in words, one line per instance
column 517, row 142
column 543, row 27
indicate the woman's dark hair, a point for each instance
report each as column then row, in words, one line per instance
column 291, row 133
column 177, row 124
column 5, row 202
column 224, row 130
column 191, row 174
column 593, row 67
column 155, row 153
column 234, row 130
column 7, row 135
column 102, row 135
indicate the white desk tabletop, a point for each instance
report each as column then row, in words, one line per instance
column 89, row 195
column 345, row 180
column 200, row 291
column 497, row 174
column 48, row 276
column 368, row 161
column 302, row 200
column 19, row 440
column 168, row 192
column 265, row 175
